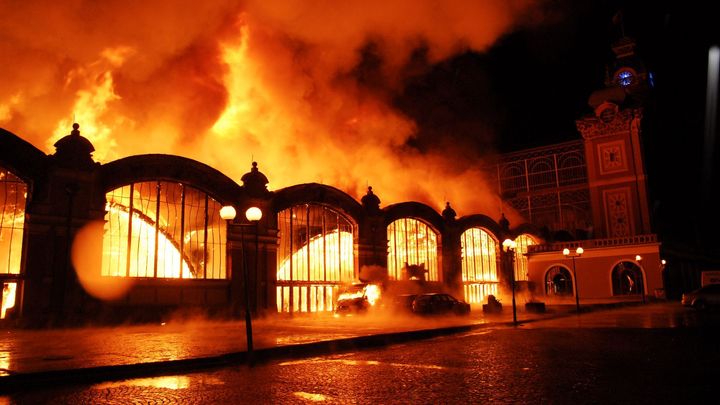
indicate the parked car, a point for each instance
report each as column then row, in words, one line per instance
column 439, row 303
column 703, row 297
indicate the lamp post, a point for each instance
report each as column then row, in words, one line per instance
column 253, row 214
column 509, row 249
column 638, row 259
column 578, row 252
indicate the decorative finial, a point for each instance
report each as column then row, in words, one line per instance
column 75, row 130
column 254, row 166
column 448, row 213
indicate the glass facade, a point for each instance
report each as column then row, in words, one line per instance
column 479, row 264
column 315, row 256
column 161, row 229
column 413, row 250
column 13, row 197
column 521, row 261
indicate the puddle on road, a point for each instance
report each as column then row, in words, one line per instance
column 175, row 382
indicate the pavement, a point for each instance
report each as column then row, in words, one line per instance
column 59, row 356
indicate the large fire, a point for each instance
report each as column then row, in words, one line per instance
column 285, row 83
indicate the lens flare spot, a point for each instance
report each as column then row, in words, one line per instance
column 87, row 260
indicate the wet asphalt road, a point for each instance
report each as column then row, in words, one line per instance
column 652, row 354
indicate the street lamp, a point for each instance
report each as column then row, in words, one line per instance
column 578, row 252
column 509, row 249
column 253, row 214
column 638, row 259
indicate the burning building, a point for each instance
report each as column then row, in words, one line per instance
column 146, row 234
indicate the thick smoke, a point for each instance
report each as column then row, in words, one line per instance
column 304, row 88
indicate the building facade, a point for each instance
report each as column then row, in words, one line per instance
column 145, row 236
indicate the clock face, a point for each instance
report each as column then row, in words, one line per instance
column 625, row 78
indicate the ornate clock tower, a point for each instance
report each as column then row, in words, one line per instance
column 616, row 173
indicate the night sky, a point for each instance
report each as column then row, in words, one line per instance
column 532, row 85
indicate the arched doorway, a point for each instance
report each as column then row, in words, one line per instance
column 627, row 279
column 558, row 282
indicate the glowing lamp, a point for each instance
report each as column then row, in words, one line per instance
column 509, row 244
column 578, row 252
column 227, row 212
column 253, row 214
column 638, row 258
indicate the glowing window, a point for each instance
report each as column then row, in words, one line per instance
column 163, row 230
column 412, row 247
column 479, row 264
column 13, row 197
column 521, row 261
column 315, row 257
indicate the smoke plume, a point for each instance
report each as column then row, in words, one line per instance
column 307, row 89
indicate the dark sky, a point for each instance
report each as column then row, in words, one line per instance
column 529, row 89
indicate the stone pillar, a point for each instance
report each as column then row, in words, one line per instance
column 451, row 253
column 69, row 197
column 372, row 241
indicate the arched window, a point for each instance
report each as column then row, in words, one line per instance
column 315, row 257
column 159, row 229
column 13, row 196
column 412, row 247
column 521, row 261
column 558, row 282
column 627, row 279
column 479, row 264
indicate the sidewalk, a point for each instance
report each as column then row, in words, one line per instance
column 32, row 357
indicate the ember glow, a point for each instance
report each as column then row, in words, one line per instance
column 285, row 83
column 371, row 292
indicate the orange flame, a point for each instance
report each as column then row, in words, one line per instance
column 222, row 82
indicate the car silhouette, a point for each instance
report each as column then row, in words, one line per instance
column 439, row 303
column 703, row 297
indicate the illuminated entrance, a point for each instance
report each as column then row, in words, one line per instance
column 558, row 282
column 412, row 247
column 13, row 196
column 479, row 265
column 163, row 230
column 627, row 279
column 315, row 257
